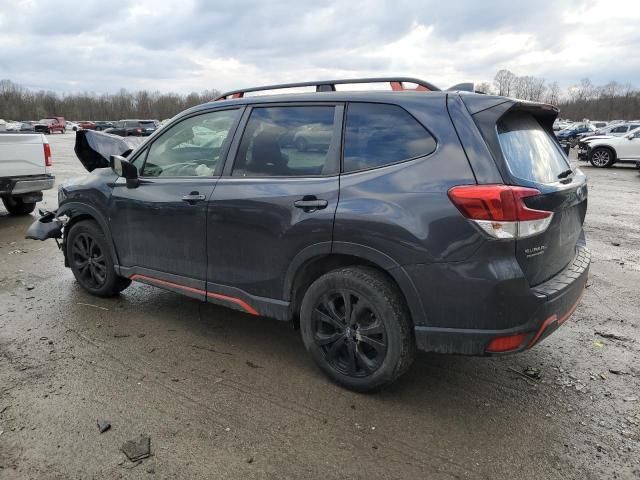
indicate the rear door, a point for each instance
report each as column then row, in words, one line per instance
column 159, row 227
column 273, row 201
column 533, row 159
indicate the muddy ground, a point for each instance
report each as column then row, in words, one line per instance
column 226, row 395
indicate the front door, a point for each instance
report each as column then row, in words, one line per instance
column 628, row 148
column 159, row 227
column 276, row 199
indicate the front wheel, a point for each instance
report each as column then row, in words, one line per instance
column 90, row 261
column 356, row 326
column 16, row 206
column 601, row 157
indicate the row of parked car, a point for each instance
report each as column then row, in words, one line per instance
column 124, row 128
column 602, row 143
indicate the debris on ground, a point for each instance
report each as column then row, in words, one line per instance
column 121, row 335
column 615, row 244
column 612, row 336
column 92, row 305
column 617, row 371
column 137, row 449
column 253, row 365
column 532, row 372
column 103, row 425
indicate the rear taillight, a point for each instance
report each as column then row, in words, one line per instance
column 138, row 131
column 500, row 211
column 47, row 156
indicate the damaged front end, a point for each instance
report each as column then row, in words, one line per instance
column 47, row 226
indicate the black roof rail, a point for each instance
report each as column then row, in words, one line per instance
column 330, row 85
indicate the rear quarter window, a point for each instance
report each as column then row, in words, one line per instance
column 377, row 135
column 530, row 152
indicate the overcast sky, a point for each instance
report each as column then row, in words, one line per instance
column 192, row 45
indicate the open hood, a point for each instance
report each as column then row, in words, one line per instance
column 94, row 149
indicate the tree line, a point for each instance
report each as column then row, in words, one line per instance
column 19, row 103
column 583, row 100
column 612, row 101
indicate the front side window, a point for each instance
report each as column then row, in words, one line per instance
column 378, row 135
column 190, row 148
column 528, row 149
column 287, row 142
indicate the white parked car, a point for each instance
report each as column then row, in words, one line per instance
column 24, row 171
column 71, row 126
column 606, row 150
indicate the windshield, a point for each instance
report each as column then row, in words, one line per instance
column 530, row 152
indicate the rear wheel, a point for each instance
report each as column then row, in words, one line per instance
column 90, row 261
column 16, row 206
column 355, row 324
column 601, row 157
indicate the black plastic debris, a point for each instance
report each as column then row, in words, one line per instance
column 103, row 425
column 138, row 448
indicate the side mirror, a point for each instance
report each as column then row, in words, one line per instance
column 123, row 168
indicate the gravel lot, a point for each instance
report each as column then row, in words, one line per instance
column 226, row 395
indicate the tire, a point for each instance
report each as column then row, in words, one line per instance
column 360, row 362
column 62, row 131
column 48, row 131
column 601, row 157
column 88, row 255
column 15, row 206
column 301, row 144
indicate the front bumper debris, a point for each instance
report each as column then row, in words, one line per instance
column 47, row 226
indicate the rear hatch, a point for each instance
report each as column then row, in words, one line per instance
column 520, row 137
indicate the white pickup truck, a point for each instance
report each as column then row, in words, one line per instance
column 24, row 171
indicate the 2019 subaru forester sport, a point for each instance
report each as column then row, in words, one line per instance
column 443, row 221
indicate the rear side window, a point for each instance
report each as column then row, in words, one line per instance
column 378, row 135
column 287, row 142
column 528, row 149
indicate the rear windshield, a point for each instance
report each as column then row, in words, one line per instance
column 148, row 124
column 530, row 152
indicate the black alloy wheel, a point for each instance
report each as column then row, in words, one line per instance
column 89, row 261
column 350, row 333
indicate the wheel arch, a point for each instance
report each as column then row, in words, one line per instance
column 78, row 212
column 608, row 147
column 315, row 261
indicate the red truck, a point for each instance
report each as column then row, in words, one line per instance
column 50, row 125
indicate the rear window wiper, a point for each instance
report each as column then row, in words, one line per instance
column 565, row 174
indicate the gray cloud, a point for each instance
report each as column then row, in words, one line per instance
column 195, row 44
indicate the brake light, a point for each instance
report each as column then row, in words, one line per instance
column 47, row 156
column 500, row 211
column 138, row 131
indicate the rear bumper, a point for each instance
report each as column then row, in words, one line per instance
column 22, row 185
column 535, row 314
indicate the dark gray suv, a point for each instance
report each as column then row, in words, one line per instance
column 445, row 221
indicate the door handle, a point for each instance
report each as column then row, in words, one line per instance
column 193, row 197
column 310, row 203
